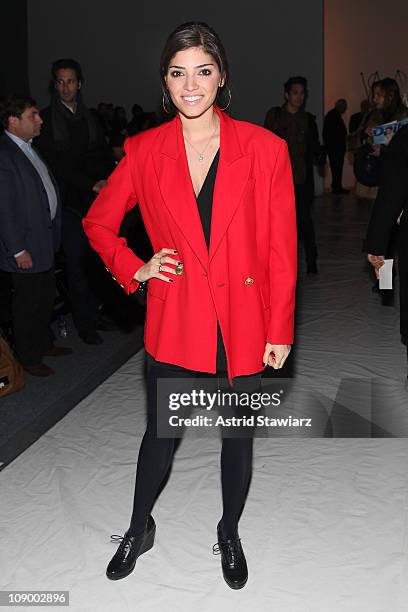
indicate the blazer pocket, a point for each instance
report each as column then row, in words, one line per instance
column 265, row 294
column 157, row 288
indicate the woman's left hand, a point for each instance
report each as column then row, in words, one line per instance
column 275, row 355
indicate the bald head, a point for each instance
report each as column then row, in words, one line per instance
column 341, row 105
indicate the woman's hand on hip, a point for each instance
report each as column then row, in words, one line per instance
column 275, row 355
column 156, row 265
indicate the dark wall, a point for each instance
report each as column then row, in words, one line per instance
column 13, row 47
column 119, row 43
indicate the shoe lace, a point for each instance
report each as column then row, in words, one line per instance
column 229, row 548
column 116, row 538
column 125, row 543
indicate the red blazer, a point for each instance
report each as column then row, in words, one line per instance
column 247, row 276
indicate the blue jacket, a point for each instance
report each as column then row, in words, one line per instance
column 25, row 218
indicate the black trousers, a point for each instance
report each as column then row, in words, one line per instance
column 80, row 265
column 336, row 160
column 32, row 305
column 306, row 231
column 156, row 453
column 5, row 298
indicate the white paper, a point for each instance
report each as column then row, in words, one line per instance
column 386, row 274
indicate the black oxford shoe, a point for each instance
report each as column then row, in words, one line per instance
column 131, row 547
column 233, row 562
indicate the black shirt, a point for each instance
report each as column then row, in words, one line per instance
column 204, row 203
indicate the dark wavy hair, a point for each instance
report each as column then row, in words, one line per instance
column 393, row 103
column 186, row 36
column 14, row 105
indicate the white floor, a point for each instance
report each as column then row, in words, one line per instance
column 325, row 525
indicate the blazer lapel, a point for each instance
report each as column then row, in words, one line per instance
column 232, row 176
column 177, row 189
column 23, row 160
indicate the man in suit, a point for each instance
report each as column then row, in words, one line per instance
column 29, row 233
column 73, row 143
column 335, row 141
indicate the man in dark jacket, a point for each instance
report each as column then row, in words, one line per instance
column 335, row 141
column 298, row 128
column 29, row 233
column 73, row 143
column 391, row 205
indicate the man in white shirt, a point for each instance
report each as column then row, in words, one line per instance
column 29, row 233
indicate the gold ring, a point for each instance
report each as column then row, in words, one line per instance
column 160, row 268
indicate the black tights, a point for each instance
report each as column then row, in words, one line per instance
column 156, row 454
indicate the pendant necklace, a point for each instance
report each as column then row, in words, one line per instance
column 201, row 155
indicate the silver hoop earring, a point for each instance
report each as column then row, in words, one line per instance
column 164, row 106
column 229, row 101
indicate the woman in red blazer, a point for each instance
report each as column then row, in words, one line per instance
column 233, row 295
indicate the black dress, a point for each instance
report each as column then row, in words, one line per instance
column 204, row 202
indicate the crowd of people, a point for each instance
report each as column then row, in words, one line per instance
column 73, row 149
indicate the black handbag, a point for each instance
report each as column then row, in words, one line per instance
column 367, row 167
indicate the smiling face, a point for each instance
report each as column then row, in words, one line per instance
column 192, row 79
